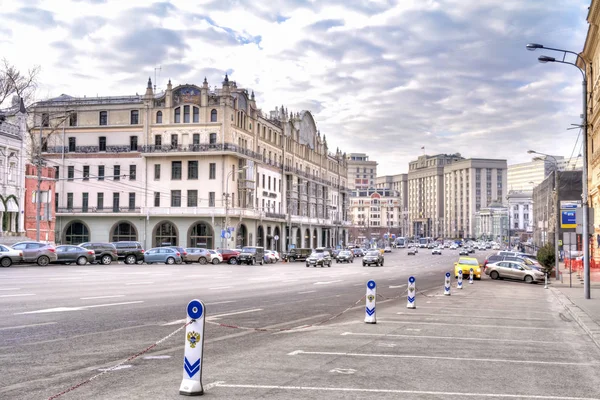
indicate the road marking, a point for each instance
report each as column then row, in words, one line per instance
column 177, row 322
column 233, row 313
column 67, row 278
column 156, row 357
column 344, row 371
column 327, row 282
column 114, row 304
column 126, row 366
column 221, row 287
column 64, row 309
column 359, row 284
column 498, row 360
column 138, row 283
column 309, row 291
column 468, row 325
column 398, row 286
column 26, row 326
column 290, row 280
column 220, row 302
column 446, row 337
column 13, row 288
column 474, row 316
column 17, row 295
column 394, row 391
column 101, row 297
column 506, row 310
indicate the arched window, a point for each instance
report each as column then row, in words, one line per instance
column 186, row 114
column 124, row 231
column 212, row 138
column 196, row 114
column 178, row 115
column 201, row 235
column 213, row 116
column 159, row 117
column 75, row 233
column 165, row 234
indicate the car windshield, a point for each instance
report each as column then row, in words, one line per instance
column 373, row 253
column 248, row 250
column 344, row 253
column 317, row 255
column 465, row 261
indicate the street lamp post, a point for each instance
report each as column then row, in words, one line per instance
column 584, row 194
column 226, row 195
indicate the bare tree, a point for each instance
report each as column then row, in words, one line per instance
column 14, row 82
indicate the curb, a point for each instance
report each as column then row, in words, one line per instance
column 581, row 317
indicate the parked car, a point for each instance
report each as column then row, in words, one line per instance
column 69, row 254
column 465, row 264
column 298, row 254
column 494, row 258
column 315, row 259
column 167, row 255
column 373, row 257
column 200, row 255
column 8, row 256
column 252, row 255
column 358, row 252
column 130, row 252
column 513, row 270
column 215, row 257
column 183, row 253
column 412, row 251
column 106, row 253
column 36, row 252
column 345, row 256
column 229, row 256
column 437, row 251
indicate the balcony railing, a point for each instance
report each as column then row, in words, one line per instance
column 275, row 215
column 98, row 210
column 200, row 148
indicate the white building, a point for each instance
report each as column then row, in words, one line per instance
column 491, row 223
column 525, row 176
column 520, row 205
column 361, row 171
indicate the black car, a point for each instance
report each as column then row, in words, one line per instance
column 323, row 259
column 464, row 251
column 68, row 254
column 130, row 252
column 106, row 253
column 252, row 255
column 345, row 256
column 358, row 252
column 373, row 257
column 297, row 254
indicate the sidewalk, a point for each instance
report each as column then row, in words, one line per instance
column 585, row 311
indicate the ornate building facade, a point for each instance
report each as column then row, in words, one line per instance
column 192, row 166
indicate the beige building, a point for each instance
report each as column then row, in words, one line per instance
column 375, row 212
column 192, row 166
column 399, row 184
column 361, row 171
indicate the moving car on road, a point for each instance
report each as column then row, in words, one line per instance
column 373, row 257
column 270, row 257
column 437, row 251
column 465, row 264
column 345, row 256
column 315, row 259
column 8, row 256
column 513, row 270
column 68, row 254
column 167, row 255
column 412, row 251
column 106, row 253
column 36, row 252
column 387, row 249
column 297, row 255
column 463, row 251
column 358, row 252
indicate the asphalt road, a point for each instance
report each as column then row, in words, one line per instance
column 61, row 325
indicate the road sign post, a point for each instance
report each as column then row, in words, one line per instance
column 370, row 317
column 412, row 293
column 447, row 284
column 459, row 280
column 191, row 385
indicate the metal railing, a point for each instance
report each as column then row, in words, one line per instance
column 98, row 209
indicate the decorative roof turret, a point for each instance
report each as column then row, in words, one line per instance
column 226, row 80
column 22, row 108
column 252, row 95
column 149, row 91
column 205, row 83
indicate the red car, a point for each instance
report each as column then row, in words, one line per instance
column 229, row 256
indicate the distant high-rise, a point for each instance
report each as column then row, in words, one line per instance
column 361, row 171
column 525, row 176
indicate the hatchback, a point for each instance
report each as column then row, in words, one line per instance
column 8, row 256
column 36, row 252
column 165, row 255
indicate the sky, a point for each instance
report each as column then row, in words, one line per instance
column 382, row 77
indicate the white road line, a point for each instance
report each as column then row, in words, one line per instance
column 475, row 339
column 394, row 391
column 114, row 304
column 233, row 313
column 177, row 322
column 290, row 280
column 397, row 286
column 67, row 278
column 101, row 297
column 309, row 291
column 487, row 360
column 12, row 288
column 220, row 302
column 474, row 316
column 17, row 295
column 327, row 282
column 468, row 325
column 138, row 283
column 64, row 309
column 26, row 326
column 221, row 287
column 359, row 284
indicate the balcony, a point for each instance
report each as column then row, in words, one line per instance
column 200, row 148
column 96, row 210
column 275, row 215
column 88, row 149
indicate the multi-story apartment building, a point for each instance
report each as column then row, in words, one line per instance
column 399, row 184
column 192, row 166
column 469, row 186
column 361, row 171
column 375, row 212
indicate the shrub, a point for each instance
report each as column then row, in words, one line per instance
column 546, row 258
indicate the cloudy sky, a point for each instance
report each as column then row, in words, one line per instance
column 385, row 77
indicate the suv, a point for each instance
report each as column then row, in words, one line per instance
column 252, row 255
column 198, row 254
column 298, row 254
column 345, row 256
column 322, row 258
column 105, row 252
column 40, row 253
column 130, row 252
column 373, row 257
column 229, row 256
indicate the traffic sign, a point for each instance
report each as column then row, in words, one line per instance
column 276, row 237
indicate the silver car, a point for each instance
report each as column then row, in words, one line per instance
column 36, row 252
column 8, row 256
column 513, row 270
column 166, row 255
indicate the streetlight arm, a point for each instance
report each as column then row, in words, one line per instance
column 573, row 64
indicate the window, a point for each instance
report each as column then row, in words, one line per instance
column 211, row 199
column 178, row 115
column 72, row 144
column 175, row 198
column 103, row 118
column 57, row 172
column 212, row 171
column 213, row 116
column 269, row 183
column 70, row 201
column 84, row 201
column 133, row 146
column 158, row 140
column 135, row 117
column 156, row 199
column 131, row 201
column 100, row 172
column 174, row 140
column 192, row 169
column 196, row 114
column 132, row 172
column 100, row 201
column 159, row 117
column 186, row 114
column 55, row 202
column 175, row 170
column 196, row 138
column 116, row 202
column 192, row 198
column 86, row 172
column 117, row 173
column 263, row 181
column 70, row 172
column 73, row 119
column 45, row 119
column 212, row 138
column 102, row 143
column 156, row 172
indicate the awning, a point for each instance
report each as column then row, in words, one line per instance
column 11, row 205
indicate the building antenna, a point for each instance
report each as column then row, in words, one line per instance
column 156, row 68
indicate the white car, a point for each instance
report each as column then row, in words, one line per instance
column 387, row 249
column 8, row 255
column 270, row 257
column 437, row 251
column 215, row 257
column 453, row 247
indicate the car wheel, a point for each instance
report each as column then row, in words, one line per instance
column 253, row 261
column 232, row 261
column 215, row 261
column 43, row 261
column 81, row 261
column 307, row 265
column 528, row 279
column 202, row 260
column 6, row 262
column 382, row 263
column 494, row 275
column 106, row 260
column 364, row 265
column 130, row 259
column 262, row 262
column 170, row 261
column 292, row 259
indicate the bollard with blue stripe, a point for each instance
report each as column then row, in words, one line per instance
column 471, row 276
column 370, row 317
column 459, row 280
column 191, row 385
column 447, row 284
column 412, row 292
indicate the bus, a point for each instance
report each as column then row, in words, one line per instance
column 424, row 242
column 400, row 242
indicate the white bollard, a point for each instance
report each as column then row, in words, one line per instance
column 459, row 280
column 471, row 276
column 191, row 385
column 545, row 281
column 411, row 293
column 370, row 317
column 447, row 284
